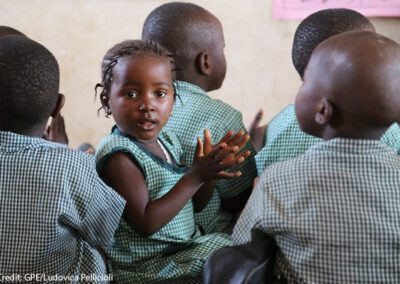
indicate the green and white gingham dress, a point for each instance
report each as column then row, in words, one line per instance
column 193, row 112
column 284, row 140
column 177, row 252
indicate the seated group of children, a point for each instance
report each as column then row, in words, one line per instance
column 167, row 184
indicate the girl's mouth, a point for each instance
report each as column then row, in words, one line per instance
column 147, row 124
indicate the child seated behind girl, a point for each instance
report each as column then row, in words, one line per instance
column 157, row 239
column 334, row 211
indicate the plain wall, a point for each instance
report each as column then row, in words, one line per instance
column 79, row 32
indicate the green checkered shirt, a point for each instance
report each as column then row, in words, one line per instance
column 176, row 252
column 194, row 112
column 334, row 212
column 284, row 139
column 55, row 211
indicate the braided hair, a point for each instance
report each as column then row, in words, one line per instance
column 120, row 50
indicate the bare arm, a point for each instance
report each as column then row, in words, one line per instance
column 146, row 216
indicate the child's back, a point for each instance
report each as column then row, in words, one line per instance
column 334, row 210
column 197, row 42
column 55, row 210
column 284, row 139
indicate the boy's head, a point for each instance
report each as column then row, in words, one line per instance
column 6, row 30
column 351, row 87
column 196, row 39
column 321, row 25
column 29, row 84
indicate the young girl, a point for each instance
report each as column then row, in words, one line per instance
column 157, row 239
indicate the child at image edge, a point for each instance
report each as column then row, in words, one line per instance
column 157, row 239
column 282, row 137
column 335, row 210
column 56, row 212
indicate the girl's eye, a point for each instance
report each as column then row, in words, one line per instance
column 161, row 94
column 132, row 95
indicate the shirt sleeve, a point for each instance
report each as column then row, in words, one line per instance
column 251, row 218
column 89, row 206
column 103, row 215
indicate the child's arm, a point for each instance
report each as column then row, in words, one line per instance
column 201, row 198
column 146, row 216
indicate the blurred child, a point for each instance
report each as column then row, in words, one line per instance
column 334, row 211
column 197, row 42
column 87, row 148
column 283, row 138
column 157, row 239
column 55, row 210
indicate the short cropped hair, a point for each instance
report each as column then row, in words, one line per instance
column 6, row 30
column 320, row 26
column 183, row 28
column 29, row 81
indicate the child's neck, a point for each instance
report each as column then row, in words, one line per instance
column 154, row 147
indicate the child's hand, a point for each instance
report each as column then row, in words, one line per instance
column 257, row 132
column 55, row 132
column 213, row 160
column 239, row 139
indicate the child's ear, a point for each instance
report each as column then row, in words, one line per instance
column 203, row 64
column 59, row 105
column 324, row 112
column 105, row 104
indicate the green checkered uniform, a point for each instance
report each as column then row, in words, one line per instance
column 334, row 212
column 177, row 252
column 56, row 213
column 193, row 112
column 284, row 139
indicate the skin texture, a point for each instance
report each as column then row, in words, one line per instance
column 312, row 31
column 350, row 87
column 141, row 100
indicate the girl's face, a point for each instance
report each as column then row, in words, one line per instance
column 141, row 96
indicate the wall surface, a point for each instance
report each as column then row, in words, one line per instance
column 79, row 32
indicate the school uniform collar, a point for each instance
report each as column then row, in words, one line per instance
column 353, row 146
column 184, row 88
column 14, row 142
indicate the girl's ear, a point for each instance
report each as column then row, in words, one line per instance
column 203, row 64
column 324, row 112
column 59, row 105
column 105, row 104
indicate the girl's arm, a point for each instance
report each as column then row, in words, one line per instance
column 146, row 217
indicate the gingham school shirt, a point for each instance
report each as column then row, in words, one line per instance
column 284, row 139
column 55, row 211
column 334, row 212
column 194, row 112
column 177, row 250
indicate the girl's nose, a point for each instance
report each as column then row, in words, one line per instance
column 146, row 107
